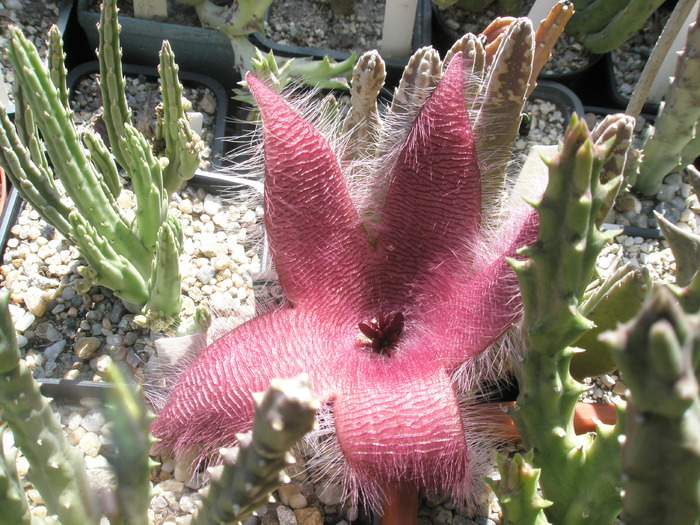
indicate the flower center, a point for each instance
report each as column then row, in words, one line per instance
column 381, row 333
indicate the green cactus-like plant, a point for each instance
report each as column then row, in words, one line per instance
column 616, row 300
column 13, row 506
column 672, row 142
column 130, row 446
column 517, row 491
column 604, row 25
column 244, row 17
column 249, row 473
column 56, row 469
column 137, row 259
column 554, row 276
column 658, row 355
column 283, row 415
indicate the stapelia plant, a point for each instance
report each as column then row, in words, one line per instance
column 238, row 20
column 240, row 484
column 391, row 249
column 135, row 256
column 673, row 142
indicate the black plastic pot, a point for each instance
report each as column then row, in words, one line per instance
column 188, row 79
column 563, row 97
column 618, row 100
column 588, row 82
column 199, row 50
column 422, row 36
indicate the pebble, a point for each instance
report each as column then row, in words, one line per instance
column 53, row 351
column 206, row 273
column 286, row 516
column 285, row 492
column 90, row 444
column 189, row 501
column 330, row 494
column 93, row 421
column 308, row 516
column 35, row 302
column 297, row 501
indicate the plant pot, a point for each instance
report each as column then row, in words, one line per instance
column 618, row 99
column 65, row 26
column 561, row 95
column 199, row 50
column 188, row 80
column 447, row 30
column 422, row 31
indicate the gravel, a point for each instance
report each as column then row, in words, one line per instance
column 630, row 58
column 314, row 23
column 568, row 55
column 143, row 95
column 35, row 18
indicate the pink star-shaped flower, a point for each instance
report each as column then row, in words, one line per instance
column 385, row 318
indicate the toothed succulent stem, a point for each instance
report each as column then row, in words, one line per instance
column 661, row 452
column 248, row 474
column 116, row 112
column 517, row 491
column 13, row 504
column 665, row 151
column 139, row 260
column 132, row 466
column 553, row 280
column 603, row 25
column 183, row 147
column 56, row 469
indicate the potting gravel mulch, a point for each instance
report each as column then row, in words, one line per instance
column 143, row 96
column 35, row 18
column 629, row 59
column 568, row 55
column 66, row 334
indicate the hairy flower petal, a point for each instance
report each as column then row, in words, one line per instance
column 318, row 244
column 432, row 207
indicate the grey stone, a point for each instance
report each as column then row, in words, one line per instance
column 206, row 273
column 286, row 516
column 53, row 351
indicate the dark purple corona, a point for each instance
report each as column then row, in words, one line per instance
column 381, row 333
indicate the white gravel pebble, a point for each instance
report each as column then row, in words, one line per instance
column 90, row 444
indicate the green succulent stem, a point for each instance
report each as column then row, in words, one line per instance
column 56, row 469
column 116, row 112
column 517, row 491
column 183, row 147
column 604, row 25
column 248, row 474
column 664, row 150
column 657, row 353
column 554, row 277
column 127, row 411
column 13, row 504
